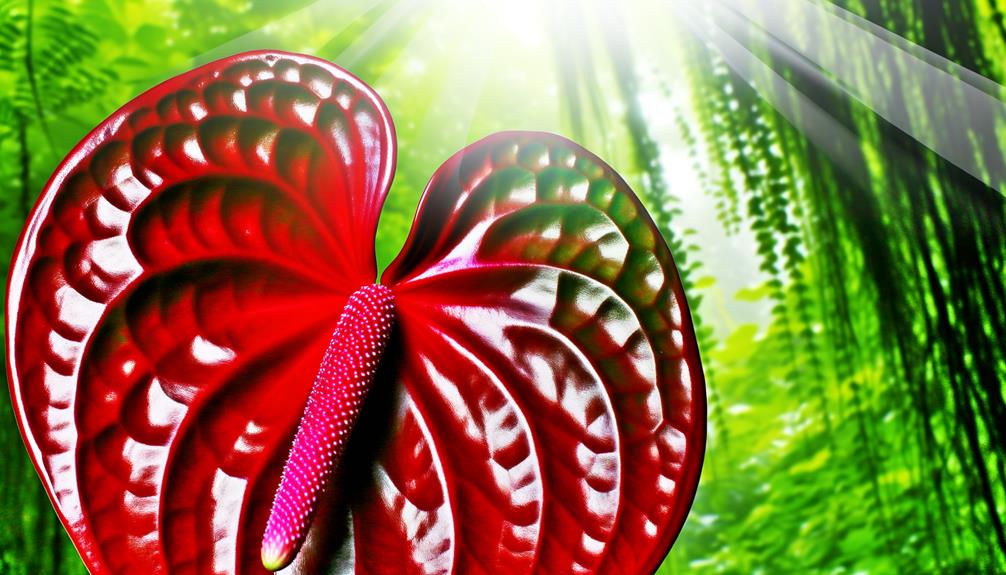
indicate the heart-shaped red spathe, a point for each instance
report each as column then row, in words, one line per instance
column 539, row 407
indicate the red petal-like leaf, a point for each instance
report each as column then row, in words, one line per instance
column 540, row 405
column 171, row 298
column 550, row 368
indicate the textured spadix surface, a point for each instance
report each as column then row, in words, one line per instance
column 344, row 379
column 539, row 406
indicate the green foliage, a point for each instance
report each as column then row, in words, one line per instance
column 856, row 373
column 886, row 451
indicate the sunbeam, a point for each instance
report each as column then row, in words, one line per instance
column 964, row 116
column 329, row 11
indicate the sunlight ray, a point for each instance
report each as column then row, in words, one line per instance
column 378, row 33
column 461, row 90
column 964, row 117
column 419, row 39
column 320, row 10
column 811, row 119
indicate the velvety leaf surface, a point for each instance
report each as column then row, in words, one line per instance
column 552, row 362
column 172, row 296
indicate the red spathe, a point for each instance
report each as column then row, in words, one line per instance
column 539, row 406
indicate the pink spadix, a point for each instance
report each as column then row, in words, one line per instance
column 340, row 388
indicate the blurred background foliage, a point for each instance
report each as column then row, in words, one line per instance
column 847, row 281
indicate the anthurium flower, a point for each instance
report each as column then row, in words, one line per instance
column 209, row 380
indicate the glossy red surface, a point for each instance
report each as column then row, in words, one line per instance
column 539, row 407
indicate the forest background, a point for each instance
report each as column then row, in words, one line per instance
column 847, row 280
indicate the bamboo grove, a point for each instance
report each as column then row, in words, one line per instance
column 859, row 428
